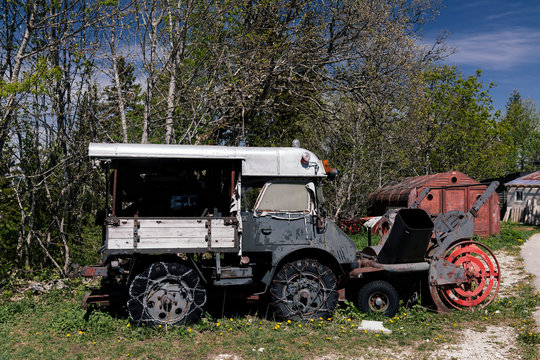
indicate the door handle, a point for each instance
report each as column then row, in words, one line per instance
column 266, row 231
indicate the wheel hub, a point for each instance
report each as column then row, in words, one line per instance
column 304, row 295
column 167, row 301
column 378, row 302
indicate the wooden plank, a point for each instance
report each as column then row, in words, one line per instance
column 176, row 223
column 163, row 243
column 172, row 232
column 120, row 244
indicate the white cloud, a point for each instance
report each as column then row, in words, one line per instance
column 500, row 50
column 503, row 15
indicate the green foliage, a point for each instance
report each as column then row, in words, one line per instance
column 511, row 237
column 361, row 239
column 9, row 218
column 9, row 310
column 85, row 251
column 521, row 133
column 455, row 127
column 68, row 319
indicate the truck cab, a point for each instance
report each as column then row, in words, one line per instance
column 181, row 220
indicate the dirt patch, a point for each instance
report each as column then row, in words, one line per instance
column 494, row 343
column 226, row 357
column 512, row 272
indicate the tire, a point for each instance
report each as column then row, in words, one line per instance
column 378, row 297
column 304, row 289
column 166, row 294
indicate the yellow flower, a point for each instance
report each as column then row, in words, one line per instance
column 128, row 325
column 68, row 335
column 217, row 324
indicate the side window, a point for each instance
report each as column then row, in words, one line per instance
column 519, row 195
column 284, row 197
column 249, row 197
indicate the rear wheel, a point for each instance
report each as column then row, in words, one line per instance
column 166, row 294
column 304, row 289
column 378, row 296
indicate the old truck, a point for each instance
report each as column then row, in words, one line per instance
column 182, row 220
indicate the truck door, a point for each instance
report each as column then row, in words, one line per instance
column 282, row 215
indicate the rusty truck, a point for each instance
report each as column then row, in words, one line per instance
column 183, row 220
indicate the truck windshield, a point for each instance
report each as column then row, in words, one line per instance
column 284, row 197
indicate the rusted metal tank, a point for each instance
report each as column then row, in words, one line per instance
column 451, row 190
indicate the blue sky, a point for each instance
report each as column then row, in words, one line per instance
column 502, row 38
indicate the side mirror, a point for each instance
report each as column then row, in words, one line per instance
column 332, row 174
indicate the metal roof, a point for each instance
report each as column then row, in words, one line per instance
column 530, row 180
column 400, row 191
column 256, row 161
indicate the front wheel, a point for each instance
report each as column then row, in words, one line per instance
column 166, row 294
column 379, row 297
column 304, row 289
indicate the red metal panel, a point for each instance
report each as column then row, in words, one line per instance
column 495, row 214
column 432, row 202
column 454, row 199
column 482, row 222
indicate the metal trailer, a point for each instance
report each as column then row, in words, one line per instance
column 183, row 220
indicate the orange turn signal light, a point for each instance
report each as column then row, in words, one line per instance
column 326, row 166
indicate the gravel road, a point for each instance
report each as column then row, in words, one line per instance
column 530, row 252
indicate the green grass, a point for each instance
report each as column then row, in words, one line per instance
column 361, row 239
column 54, row 326
column 511, row 237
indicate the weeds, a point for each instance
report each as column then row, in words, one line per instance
column 511, row 237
